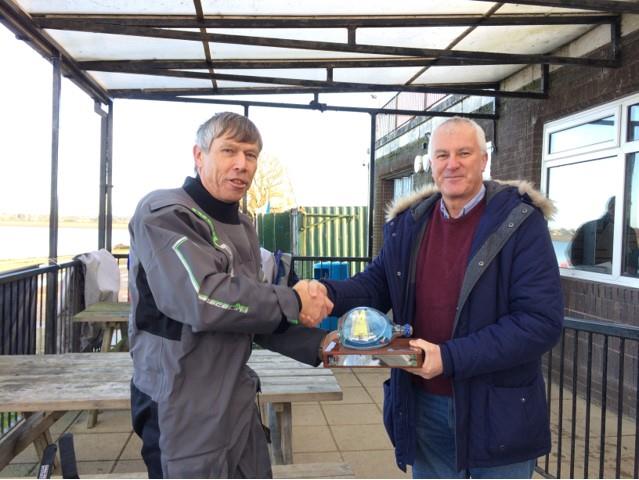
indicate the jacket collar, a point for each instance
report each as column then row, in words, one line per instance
column 420, row 201
column 219, row 210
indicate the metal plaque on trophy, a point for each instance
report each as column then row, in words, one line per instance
column 368, row 338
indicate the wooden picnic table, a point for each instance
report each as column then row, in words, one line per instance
column 111, row 315
column 44, row 387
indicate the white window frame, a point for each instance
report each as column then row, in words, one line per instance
column 579, row 119
column 617, row 148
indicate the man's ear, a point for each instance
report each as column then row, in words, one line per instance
column 197, row 158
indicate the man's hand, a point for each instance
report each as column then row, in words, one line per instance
column 432, row 365
column 315, row 303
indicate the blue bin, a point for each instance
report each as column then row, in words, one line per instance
column 332, row 271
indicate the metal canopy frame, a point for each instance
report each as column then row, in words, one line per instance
column 53, row 32
column 39, row 27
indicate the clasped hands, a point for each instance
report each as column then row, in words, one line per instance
column 315, row 303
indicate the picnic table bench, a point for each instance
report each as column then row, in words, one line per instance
column 44, row 387
column 110, row 315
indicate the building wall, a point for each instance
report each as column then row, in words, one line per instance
column 519, row 150
column 517, row 153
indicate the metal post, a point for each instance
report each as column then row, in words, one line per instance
column 245, row 197
column 371, row 186
column 102, row 187
column 109, row 178
column 545, row 79
column 615, row 39
column 52, row 277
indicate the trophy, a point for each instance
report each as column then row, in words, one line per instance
column 368, row 338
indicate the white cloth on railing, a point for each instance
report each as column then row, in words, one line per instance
column 277, row 267
column 101, row 277
column 101, row 284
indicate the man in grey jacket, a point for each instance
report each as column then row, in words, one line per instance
column 197, row 304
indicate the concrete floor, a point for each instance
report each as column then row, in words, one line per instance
column 348, row 431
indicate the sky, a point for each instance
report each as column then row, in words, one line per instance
column 326, row 153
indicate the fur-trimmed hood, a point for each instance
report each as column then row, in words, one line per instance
column 524, row 187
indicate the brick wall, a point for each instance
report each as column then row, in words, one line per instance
column 519, row 150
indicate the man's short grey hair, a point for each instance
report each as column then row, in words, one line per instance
column 479, row 132
column 236, row 126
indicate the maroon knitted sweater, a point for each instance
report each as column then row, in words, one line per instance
column 441, row 263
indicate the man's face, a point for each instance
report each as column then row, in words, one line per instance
column 227, row 169
column 457, row 162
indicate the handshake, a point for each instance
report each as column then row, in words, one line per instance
column 315, row 303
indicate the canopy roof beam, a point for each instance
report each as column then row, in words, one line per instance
column 504, row 58
column 602, row 5
column 466, row 89
column 317, row 106
column 482, row 90
column 67, row 21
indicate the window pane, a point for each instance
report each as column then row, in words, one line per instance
column 592, row 133
column 582, row 231
column 630, row 262
column 402, row 186
column 633, row 123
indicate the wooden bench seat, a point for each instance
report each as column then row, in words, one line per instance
column 294, row 470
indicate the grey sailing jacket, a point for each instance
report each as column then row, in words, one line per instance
column 196, row 306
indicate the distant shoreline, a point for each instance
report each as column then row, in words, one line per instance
column 61, row 224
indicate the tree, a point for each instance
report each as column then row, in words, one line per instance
column 271, row 190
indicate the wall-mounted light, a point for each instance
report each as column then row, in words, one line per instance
column 422, row 162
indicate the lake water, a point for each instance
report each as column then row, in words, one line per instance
column 23, row 242
column 561, row 251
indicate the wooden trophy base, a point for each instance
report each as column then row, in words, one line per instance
column 397, row 354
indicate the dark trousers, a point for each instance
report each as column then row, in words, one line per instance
column 144, row 415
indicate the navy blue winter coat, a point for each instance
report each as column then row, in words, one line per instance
column 509, row 313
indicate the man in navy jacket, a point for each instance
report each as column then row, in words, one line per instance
column 470, row 264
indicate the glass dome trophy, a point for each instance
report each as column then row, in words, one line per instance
column 368, row 338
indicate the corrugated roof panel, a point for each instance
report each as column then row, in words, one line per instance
column 341, row 7
column 466, row 74
column 304, row 74
column 529, row 39
column 225, row 51
column 102, row 46
column 111, row 80
column 311, row 34
column 414, row 37
column 395, row 75
column 107, row 7
column 257, row 7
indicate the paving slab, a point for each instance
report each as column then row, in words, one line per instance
column 132, row 449
column 304, row 415
column 63, row 423
column 109, row 421
column 317, row 457
column 361, row 437
column 313, row 439
column 99, row 447
column 352, row 414
column 15, row 470
column 373, row 377
column 346, row 378
column 94, row 468
column 374, row 464
column 352, row 395
column 129, row 466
